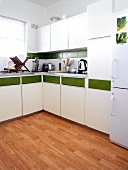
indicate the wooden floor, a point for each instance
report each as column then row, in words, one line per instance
column 44, row 141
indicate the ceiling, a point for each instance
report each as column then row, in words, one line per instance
column 44, row 3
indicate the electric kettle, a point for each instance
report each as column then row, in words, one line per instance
column 82, row 66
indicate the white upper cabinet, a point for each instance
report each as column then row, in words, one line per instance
column 59, row 35
column 78, row 31
column 43, row 39
column 99, row 19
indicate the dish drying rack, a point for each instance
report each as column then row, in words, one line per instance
column 18, row 65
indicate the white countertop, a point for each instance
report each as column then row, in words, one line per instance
column 43, row 73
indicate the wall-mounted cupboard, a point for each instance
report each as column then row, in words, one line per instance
column 10, row 98
column 43, row 39
column 78, row 31
column 59, row 35
column 62, row 35
column 99, row 19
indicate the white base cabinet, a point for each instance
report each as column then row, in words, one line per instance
column 72, row 103
column 73, row 99
column 51, row 94
column 31, row 94
column 32, row 98
column 10, row 102
column 98, row 109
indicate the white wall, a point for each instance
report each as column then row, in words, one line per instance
column 121, row 5
column 74, row 7
column 67, row 7
column 26, row 11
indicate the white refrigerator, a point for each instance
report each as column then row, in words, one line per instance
column 119, row 82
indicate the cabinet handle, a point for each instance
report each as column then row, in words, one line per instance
column 114, row 69
column 112, row 105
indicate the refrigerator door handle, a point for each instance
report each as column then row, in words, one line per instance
column 114, row 69
column 112, row 105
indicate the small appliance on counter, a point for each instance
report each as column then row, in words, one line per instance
column 82, row 66
column 35, row 65
column 47, row 67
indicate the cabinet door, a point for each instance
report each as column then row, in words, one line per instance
column 59, row 35
column 78, row 31
column 43, row 39
column 119, row 117
column 51, row 93
column 99, row 58
column 32, row 97
column 98, row 109
column 10, row 102
column 99, row 19
column 72, row 103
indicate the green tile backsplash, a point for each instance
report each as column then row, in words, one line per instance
column 82, row 53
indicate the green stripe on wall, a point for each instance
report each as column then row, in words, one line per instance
column 51, row 79
column 99, row 84
column 31, row 79
column 9, row 81
column 80, row 82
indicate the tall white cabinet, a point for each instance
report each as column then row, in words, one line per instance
column 99, row 65
column 78, row 31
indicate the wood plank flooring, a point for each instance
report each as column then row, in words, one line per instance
column 45, row 142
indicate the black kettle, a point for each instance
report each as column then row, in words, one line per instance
column 82, row 66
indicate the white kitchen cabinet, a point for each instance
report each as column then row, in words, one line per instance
column 78, row 31
column 43, row 39
column 59, row 35
column 98, row 105
column 31, row 94
column 72, row 100
column 119, row 117
column 10, row 98
column 51, row 94
column 99, row 58
column 99, row 19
